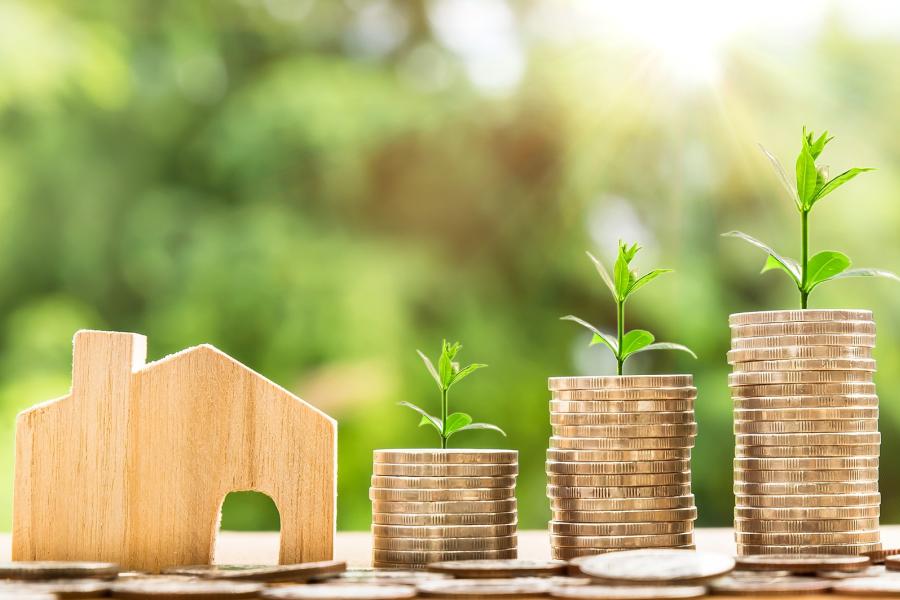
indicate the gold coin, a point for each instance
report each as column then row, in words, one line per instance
column 45, row 570
column 736, row 357
column 425, row 557
column 409, row 470
column 620, row 406
column 806, row 364
column 807, row 564
column 656, row 567
column 805, row 414
column 807, row 439
column 572, row 554
column 617, row 468
column 620, row 382
column 631, row 592
column 807, row 402
column 462, row 506
column 801, row 389
column 658, row 394
column 806, row 500
column 669, row 454
column 880, row 557
column 831, row 426
column 442, row 483
column 812, row 514
column 813, row 464
column 507, row 569
column 806, row 549
column 647, row 418
column 622, row 504
column 412, row 495
column 648, row 491
column 446, row 456
column 181, row 587
column 445, row 520
column 770, row 377
column 805, row 526
column 619, row 529
column 625, row 431
column 621, row 541
column 626, row 480
column 821, row 451
column 451, row 531
column 778, row 341
column 805, row 315
column 860, row 587
column 625, row 516
column 837, row 475
column 798, row 539
column 651, row 443
column 55, row 588
column 803, row 328
column 799, row 488
column 788, row 587
column 262, row 573
column 444, row 544
column 512, row 587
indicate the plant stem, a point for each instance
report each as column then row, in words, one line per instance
column 620, row 334
column 804, row 257
column 443, row 419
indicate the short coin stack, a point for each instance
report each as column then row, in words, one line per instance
column 619, row 461
column 806, row 429
column 439, row 505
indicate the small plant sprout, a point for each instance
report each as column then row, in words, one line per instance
column 812, row 184
column 623, row 284
column 446, row 375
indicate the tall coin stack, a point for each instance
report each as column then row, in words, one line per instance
column 619, row 463
column 806, row 429
column 438, row 505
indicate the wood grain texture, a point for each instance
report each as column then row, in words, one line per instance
column 133, row 465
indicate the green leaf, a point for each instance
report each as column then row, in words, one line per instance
column 445, row 363
column 866, row 272
column 837, row 182
column 782, row 175
column 455, row 422
column 789, row 265
column 604, row 274
column 645, row 279
column 430, row 366
column 426, row 418
column 462, row 373
column 472, row 426
column 666, row 346
column 825, row 265
column 622, row 270
column 604, row 338
column 806, row 175
column 634, row 340
column 772, row 264
column 816, row 147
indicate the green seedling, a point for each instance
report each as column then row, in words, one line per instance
column 812, row 184
column 623, row 284
column 446, row 375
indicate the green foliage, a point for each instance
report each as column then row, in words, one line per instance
column 447, row 374
column 812, row 184
column 622, row 285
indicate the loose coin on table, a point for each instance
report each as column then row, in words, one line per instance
column 57, row 570
column 628, row 592
column 379, row 577
column 499, row 568
column 868, row 586
column 482, row 588
column 657, row 566
column 271, row 573
column 786, row 586
column 57, row 588
column 350, row 591
column 809, row 563
column 184, row 589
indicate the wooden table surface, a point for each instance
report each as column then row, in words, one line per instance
column 355, row 547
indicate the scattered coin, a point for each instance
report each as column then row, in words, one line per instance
column 445, row 519
column 499, row 568
column 892, row 561
column 792, row 316
column 793, row 586
column 657, row 566
column 630, row 592
column 873, row 571
column 619, row 382
column 879, row 556
column 184, row 589
column 630, row 479
column 446, row 456
column 836, row 475
column 633, row 456
column 380, row 577
column 360, row 591
column 676, row 430
column 415, row 470
column 482, row 588
column 619, row 529
column 444, row 544
column 652, row 443
column 56, row 588
column 442, row 483
column 295, row 572
column 462, row 506
column 652, row 491
column 620, row 406
column 449, row 531
column 57, row 570
column 432, row 495
column 625, row 516
column 617, row 468
column 809, row 563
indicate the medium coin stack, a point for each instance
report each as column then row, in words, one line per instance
column 439, row 505
column 806, row 432
column 619, row 463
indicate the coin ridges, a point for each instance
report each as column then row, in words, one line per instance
column 676, row 430
column 618, row 418
column 619, row 382
column 736, row 357
column 626, row 480
column 775, row 341
column 616, row 468
column 809, row 328
column 619, row 406
column 797, row 426
column 444, row 544
column 442, row 483
column 447, row 456
column 792, row 316
column 434, row 495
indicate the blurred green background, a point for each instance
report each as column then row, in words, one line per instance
column 318, row 188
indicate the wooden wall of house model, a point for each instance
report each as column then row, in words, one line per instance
column 133, row 465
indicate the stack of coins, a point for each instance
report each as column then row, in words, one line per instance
column 438, row 505
column 806, row 429
column 619, row 463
